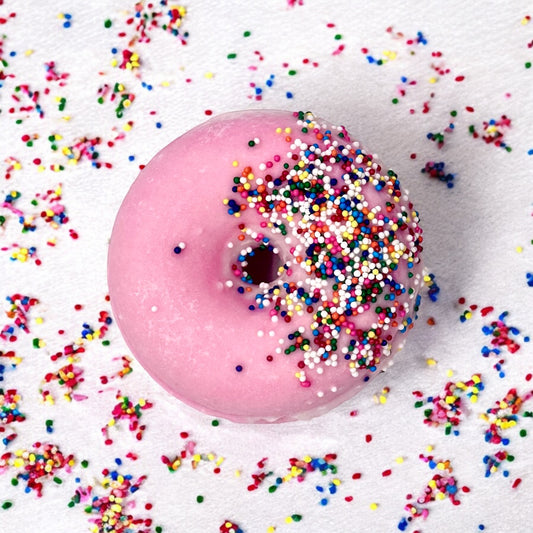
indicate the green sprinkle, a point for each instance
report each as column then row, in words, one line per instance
column 453, row 113
column 14, row 482
column 232, row 56
column 108, row 23
column 2, row 220
column 85, row 463
column 523, row 432
column 7, row 505
column 106, row 343
column 395, row 100
column 215, row 423
column 338, row 37
column 272, row 489
column 292, row 72
column 58, row 480
column 158, row 529
column 528, row 64
column 251, row 143
column 296, row 517
column 199, row 499
column 247, row 33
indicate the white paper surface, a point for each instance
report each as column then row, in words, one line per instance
column 477, row 244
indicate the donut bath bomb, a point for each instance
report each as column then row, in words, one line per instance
column 264, row 266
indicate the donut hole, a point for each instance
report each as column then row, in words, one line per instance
column 262, row 265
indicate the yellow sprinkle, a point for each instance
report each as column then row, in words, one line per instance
column 373, row 506
column 237, row 473
column 433, row 80
column 235, row 163
column 399, row 460
column 28, row 52
column 271, row 529
column 288, row 520
column 430, row 361
column 208, row 75
column 429, row 448
column 449, row 373
column 165, row 83
column 519, row 249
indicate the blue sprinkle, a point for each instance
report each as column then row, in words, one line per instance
column 402, row 526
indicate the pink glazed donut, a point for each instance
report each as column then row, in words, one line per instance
column 263, row 267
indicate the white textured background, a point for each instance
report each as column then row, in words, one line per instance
column 477, row 244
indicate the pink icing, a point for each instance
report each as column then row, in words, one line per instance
column 341, row 246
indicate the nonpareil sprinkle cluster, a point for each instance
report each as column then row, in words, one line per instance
column 37, row 465
column 230, row 527
column 70, row 374
column 17, row 313
column 436, row 170
column 348, row 248
column 112, row 511
column 446, row 409
column 500, row 419
column 190, row 454
column 440, row 487
column 503, row 338
column 125, row 409
column 493, row 132
column 300, row 468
